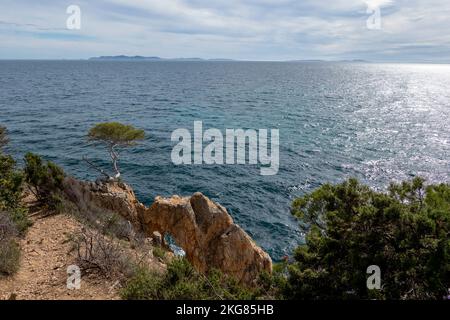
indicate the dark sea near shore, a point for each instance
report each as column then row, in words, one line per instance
column 376, row 122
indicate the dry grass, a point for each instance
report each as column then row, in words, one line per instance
column 97, row 252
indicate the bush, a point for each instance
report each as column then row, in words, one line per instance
column 11, row 182
column 114, row 225
column 3, row 137
column 183, row 282
column 271, row 285
column 144, row 285
column 109, row 223
column 114, row 135
column 159, row 253
column 21, row 220
column 350, row 227
column 100, row 253
column 8, row 229
column 9, row 257
column 45, row 181
column 9, row 249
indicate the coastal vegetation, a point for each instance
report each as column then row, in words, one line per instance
column 348, row 227
column 182, row 282
column 3, row 137
column 9, row 248
column 45, row 181
column 13, row 215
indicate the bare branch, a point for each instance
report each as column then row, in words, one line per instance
column 96, row 168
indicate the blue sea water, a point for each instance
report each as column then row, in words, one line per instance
column 376, row 122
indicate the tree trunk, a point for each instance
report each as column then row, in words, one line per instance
column 114, row 158
column 96, row 168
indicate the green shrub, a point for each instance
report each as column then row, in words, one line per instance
column 114, row 225
column 144, row 285
column 114, row 135
column 159, row 252
column 3, row 137
column 350, row 227
column 7, row 227
column 45, row 181
column 9, row 257
column 9, row 250
column 182, row 281
column 11, row 182
column 21, row 220
column 271, row 285
column 101, row 253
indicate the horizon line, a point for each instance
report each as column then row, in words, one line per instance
column 195, row 59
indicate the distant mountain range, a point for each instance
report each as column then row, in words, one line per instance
column 142, row 58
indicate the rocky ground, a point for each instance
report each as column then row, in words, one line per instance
column 44, row 261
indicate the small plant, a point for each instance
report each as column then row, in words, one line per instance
column 114, row 135
column 144, row 285
column 9, row 249
column 100, row 253
column 349, row 227
column 8, row 229
column 114, row 225
column 159, row 253
column 45, row 181
column 19, row 217
column 11, row 181
column 9, row 257
column 182, row 282
column 3, row 137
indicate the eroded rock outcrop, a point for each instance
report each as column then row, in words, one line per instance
column 203, row 228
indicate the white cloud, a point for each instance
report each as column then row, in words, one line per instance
column 247, row 29
column 374, row 4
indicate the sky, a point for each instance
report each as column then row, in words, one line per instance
column 406, row 30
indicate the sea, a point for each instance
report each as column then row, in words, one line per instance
column 380, row 123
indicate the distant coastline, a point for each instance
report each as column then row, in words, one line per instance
column 142, row 58
column 155, row 58
column 160, row 59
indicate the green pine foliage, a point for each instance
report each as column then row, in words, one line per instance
column 45, row 180
column 115, row 133
column 11, row 188
column 406, row 232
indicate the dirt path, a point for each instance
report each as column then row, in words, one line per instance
column 44, row 262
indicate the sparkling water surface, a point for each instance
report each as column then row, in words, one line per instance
column 376, row 122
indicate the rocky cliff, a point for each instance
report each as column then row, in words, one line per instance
column 201, row 227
